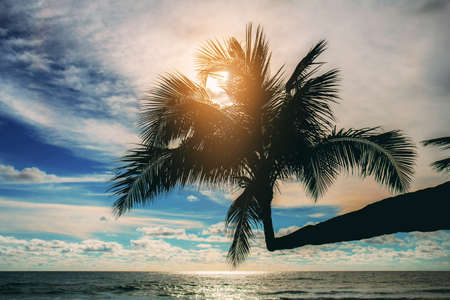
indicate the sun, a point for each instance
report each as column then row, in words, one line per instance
column 214, row 86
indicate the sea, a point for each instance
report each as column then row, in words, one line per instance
column 225, row 285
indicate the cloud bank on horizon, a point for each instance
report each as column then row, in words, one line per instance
column 71, row 76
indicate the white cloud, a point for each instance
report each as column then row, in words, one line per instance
column 440, row 235
column 161, row 231
column 120, row 106
column 34, row 61
column 163, row 251
column 216, row 196
column 150, row 253
column 99, row 246
column 318, row 215
column 384, row 240
column 32, row 111
column 159, row 246
column 192, row 198
column 21, row 42
column 8, row 174
column 57, row 246
column 286, row 231
column 218, row 228
column 96, row 134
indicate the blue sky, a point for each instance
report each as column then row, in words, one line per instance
column 72, row 73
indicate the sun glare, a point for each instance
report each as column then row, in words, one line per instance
column 214, row 85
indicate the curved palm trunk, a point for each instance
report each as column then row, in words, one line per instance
column 265, row 197
column 423, row 210
column 269, row 236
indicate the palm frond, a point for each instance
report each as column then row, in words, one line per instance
column 257, row 50
column 310, row 105
column 150, row 171
column 443, row 143
column 175, row 109
column 243, row 213
column 388, row 156
column 301, row 119
column 141, row 178
column 305, row 109
column 318, row 172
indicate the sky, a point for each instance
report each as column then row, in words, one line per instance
column 72, row 74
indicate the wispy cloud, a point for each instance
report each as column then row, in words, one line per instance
column 64, row 92
column 218, row 196
column 8, row 174
column 75, row 220
column 318, row 215
column 105, row 137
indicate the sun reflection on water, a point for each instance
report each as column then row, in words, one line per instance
column 223, row 273
column 224, row 284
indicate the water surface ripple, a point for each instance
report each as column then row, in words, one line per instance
column 223, row 285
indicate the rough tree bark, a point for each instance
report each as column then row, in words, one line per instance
column 423, row 210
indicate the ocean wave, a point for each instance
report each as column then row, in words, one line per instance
column 284, row 292
column 439, row 291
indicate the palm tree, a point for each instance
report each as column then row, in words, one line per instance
column 442, row 165
column 274, row 130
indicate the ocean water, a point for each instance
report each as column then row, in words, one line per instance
column 225, row 285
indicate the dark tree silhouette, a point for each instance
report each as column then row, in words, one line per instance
column 273, row 131
column 424, row 210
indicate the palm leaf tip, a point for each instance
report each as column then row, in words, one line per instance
column 241, row 232
column 394, row 165
column 146, row 172
column 243, row 213
column 442, row 142
column 306, row 64
column 442, row 165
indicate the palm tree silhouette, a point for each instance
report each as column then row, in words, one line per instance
column 442, row 165
column 272, row 131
